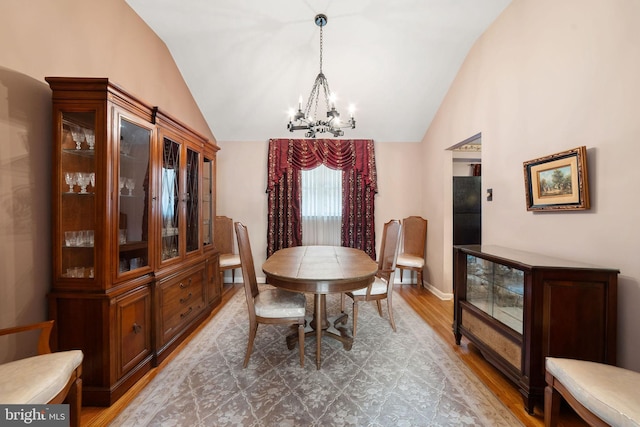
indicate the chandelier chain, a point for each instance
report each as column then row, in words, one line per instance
column 321, row 49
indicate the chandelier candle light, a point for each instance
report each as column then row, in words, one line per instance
column 303, row 120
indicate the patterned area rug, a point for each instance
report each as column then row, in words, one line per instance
column 407, row 378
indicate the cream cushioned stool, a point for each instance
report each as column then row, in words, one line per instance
column 603, row 395
column 48, row 378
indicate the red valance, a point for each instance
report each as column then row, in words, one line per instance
column 340, row 154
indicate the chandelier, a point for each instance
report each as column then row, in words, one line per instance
column 304, row 120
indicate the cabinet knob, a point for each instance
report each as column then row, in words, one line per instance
column 187, row 298
column 137, row 328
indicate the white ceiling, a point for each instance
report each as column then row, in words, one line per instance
column 247, row 62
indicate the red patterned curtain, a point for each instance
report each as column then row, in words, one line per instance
column 354, row 157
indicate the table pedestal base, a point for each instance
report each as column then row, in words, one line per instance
column 327, row 328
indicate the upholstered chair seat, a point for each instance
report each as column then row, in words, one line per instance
column 411, row 261
column 279, row 303
column 229, row 260
column 601, row 394
column 37, row 379
column 379, row 287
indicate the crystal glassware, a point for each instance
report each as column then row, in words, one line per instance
column 78, row 136
column 82, row 178
column 70, row 180
column 121, row 181
column 70, row 238
column 131, row 185
column 91, row 138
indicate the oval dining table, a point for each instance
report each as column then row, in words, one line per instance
column 321, row 270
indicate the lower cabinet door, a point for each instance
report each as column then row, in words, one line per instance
column 133, row 311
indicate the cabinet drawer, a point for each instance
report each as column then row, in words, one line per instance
column 133, row 313
column 181, row 299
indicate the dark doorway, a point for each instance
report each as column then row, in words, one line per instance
column 467, row 211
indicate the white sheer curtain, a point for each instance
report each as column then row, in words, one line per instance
column 321, row 206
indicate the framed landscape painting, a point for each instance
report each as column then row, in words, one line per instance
column 558, row 181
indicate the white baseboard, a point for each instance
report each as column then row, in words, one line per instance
column 437, row 292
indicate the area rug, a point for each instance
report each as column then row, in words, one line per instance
column 406, row 378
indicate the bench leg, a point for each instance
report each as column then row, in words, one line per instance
column 74, row 399
column 552, row 400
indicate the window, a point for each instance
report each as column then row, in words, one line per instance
column 321, row 206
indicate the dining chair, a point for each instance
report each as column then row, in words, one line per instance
column 223, row 241
column 268, row 306
column 382, row 286
column 47, row 378
column 414, row 237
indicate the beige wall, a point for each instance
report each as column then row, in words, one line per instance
column 40, row 38
column 549, row 76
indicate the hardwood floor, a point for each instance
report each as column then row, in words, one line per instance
column 435, row 312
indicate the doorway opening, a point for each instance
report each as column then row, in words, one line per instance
column 467, row 188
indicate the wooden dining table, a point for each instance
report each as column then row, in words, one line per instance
column 321, row 270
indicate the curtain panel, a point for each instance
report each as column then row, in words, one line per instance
column 354, row 157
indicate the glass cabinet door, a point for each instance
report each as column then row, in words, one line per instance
column 192, row 201
column 170, row 196
column 479, row 283
column 133, row 195
column 508, row 298
column 207, row 201
column 78, row 195
column 496, row 289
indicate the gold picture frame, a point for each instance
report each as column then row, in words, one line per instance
column 558, row 181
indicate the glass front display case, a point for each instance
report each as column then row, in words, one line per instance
column 133, row 196
column 497, row 290
column 78, row 195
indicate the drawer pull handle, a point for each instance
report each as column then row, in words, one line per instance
column 186, row 313
column 183, row 286
column 187, row 298
column 137, row 328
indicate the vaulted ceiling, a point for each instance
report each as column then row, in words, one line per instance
column 247, row 62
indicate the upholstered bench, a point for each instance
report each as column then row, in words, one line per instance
column 603, row 395
column 48, row 378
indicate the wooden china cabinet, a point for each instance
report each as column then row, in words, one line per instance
column 134, row 267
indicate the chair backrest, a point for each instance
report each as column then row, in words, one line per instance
column 414, row 232
column 248, row 271
column 223, row 234
column 389, row 250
